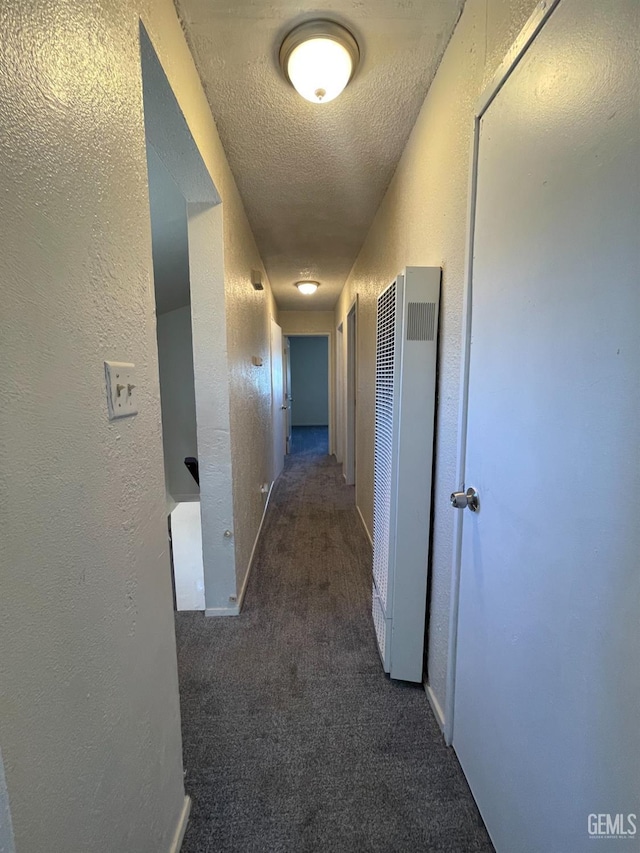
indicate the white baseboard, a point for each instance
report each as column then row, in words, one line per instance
column 234, row 609
column 366, row 529
column 435, row 705
column 255, row 547
column 183, row 820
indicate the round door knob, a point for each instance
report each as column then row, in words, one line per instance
column 462, row 500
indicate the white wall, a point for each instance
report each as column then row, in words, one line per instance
column 309, row 380
column 175, row 362
column 422, row 221
column 188, row 568
column 90, row 724
column 211, row 382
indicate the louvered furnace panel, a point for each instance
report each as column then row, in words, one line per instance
column 406, row 353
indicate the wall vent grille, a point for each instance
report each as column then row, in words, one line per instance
column 421, row 321
column 383, row 447
column 380, row 625
column 406, row 353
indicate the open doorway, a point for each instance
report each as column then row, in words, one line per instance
column 286, row 375
column 170, row 247
column 186, row 217
column 308, row 357
column 279, row 402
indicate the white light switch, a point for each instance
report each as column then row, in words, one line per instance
column 122, row 396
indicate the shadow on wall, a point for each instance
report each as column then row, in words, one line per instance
column 169, row 237
column 177, row 398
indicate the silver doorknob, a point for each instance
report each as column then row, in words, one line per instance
column 284, row 408
column 461, row 500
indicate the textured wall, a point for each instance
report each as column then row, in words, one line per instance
column 211, row 385
column 175, row 361
column 422, row 221
column 90, row 717
column 309, row 381
column 248, row 334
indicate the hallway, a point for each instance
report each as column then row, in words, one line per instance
column 294, row 740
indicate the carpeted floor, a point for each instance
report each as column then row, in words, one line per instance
column 294, row 739
column 313, row 440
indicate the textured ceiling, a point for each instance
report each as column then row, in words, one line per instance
column 312, row 176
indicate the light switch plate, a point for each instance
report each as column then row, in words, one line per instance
column 122, row 395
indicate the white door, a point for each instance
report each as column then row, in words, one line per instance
column 547, row 693
column 278, row 402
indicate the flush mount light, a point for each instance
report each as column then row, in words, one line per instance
column 307, row 287
column 319, row 58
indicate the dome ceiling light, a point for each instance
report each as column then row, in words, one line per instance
column 307, row 287
column 319, row 58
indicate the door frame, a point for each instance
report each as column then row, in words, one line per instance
column 286, row 379
column 277, row 400
column 540, row 15
column 350, row 398
column 167, row 133
column 339, row 395
column 330, row 395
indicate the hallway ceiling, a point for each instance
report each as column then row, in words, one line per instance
column 312, row 176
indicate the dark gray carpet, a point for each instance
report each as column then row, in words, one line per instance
column 294, row 739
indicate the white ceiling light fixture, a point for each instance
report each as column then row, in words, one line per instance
column 307, row 287
column 319, row 58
